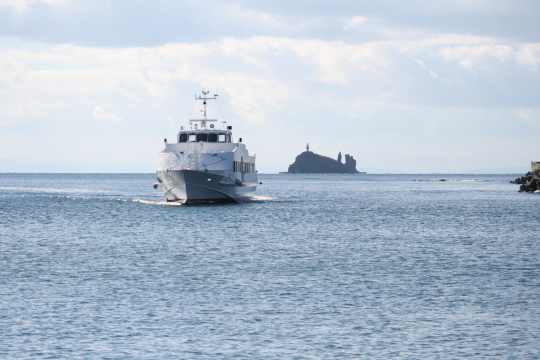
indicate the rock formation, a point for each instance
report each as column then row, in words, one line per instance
column 309, row 163
column 530, row 182
column 350, row 164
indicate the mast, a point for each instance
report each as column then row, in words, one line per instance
column 203, row 98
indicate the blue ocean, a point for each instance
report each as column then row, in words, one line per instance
column 97, row 266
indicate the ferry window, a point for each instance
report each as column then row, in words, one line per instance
column 183, row 137
column 192, row 137
column 221, row 137
column 229, row 138
column 212, row 137
column 202, row 137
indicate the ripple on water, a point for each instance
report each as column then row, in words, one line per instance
column 317, row 266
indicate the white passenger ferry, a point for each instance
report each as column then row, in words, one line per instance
column 206, row 165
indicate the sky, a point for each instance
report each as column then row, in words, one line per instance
column 410, row 86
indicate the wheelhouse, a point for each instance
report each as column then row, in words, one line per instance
column 212, row 136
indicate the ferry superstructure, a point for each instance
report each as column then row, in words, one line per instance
column 206, row 165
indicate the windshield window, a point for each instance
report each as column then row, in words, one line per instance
column 221, row 137
column 202, row 137
column 212, row 137
column 183, row 137
column 192, row 137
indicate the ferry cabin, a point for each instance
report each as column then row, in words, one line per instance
column 209, row 150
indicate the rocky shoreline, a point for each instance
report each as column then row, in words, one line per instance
column 530, row 182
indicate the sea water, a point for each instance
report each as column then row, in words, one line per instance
column 97, row 266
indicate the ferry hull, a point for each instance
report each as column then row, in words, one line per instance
column 193, row 187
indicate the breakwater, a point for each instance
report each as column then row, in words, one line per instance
column 530, row 182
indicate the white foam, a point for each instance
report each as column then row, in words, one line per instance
column 159, row 203
column 53, row 190
column 263, row 198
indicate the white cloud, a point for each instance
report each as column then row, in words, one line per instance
column 100, row 114
column 330, row 61
column 18, row 6
column 259, row 72
column 470, row 57
column 431, row 72
column 86, row 73
column 529, row 116
column 23, row 6
column 529, row 54
column 354, row 22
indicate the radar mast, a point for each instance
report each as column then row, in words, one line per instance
column 203, row 121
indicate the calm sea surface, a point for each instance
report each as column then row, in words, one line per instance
column 318, row 267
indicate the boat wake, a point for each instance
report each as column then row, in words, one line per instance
column 142, row 201
column 169, row 203
column 263, row 198
column 158, row 203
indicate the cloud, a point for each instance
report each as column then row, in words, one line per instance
column 354, row 22
column 255, row 70
column 100, row 114
column 21, row 7
column 529, row 54
column 471, row 57
column 104, row 23
column 261, row 72
column 431, row 72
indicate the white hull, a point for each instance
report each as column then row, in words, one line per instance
column 193, row 186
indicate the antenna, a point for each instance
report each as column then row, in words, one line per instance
column 204, row 98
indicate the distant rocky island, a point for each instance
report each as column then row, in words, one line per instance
column 310, row 163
